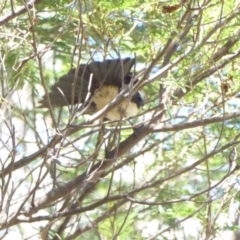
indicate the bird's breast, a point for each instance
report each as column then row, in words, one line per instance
column 105, row 95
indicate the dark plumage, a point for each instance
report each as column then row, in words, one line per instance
column 104, row 80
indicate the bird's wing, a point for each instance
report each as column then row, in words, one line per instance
column 110, row 72
column 62, row 92
column 107, row 73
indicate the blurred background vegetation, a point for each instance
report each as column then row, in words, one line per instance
column 178, row 177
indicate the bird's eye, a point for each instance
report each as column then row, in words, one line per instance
column 128, row 78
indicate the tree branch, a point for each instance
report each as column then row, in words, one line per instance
column 19, row 11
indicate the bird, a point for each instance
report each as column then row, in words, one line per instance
column 104, row 80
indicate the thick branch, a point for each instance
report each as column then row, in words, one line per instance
column 19, row 11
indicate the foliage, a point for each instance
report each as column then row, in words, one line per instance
column 172, row 168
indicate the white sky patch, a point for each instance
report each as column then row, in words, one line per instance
column 141, row 163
